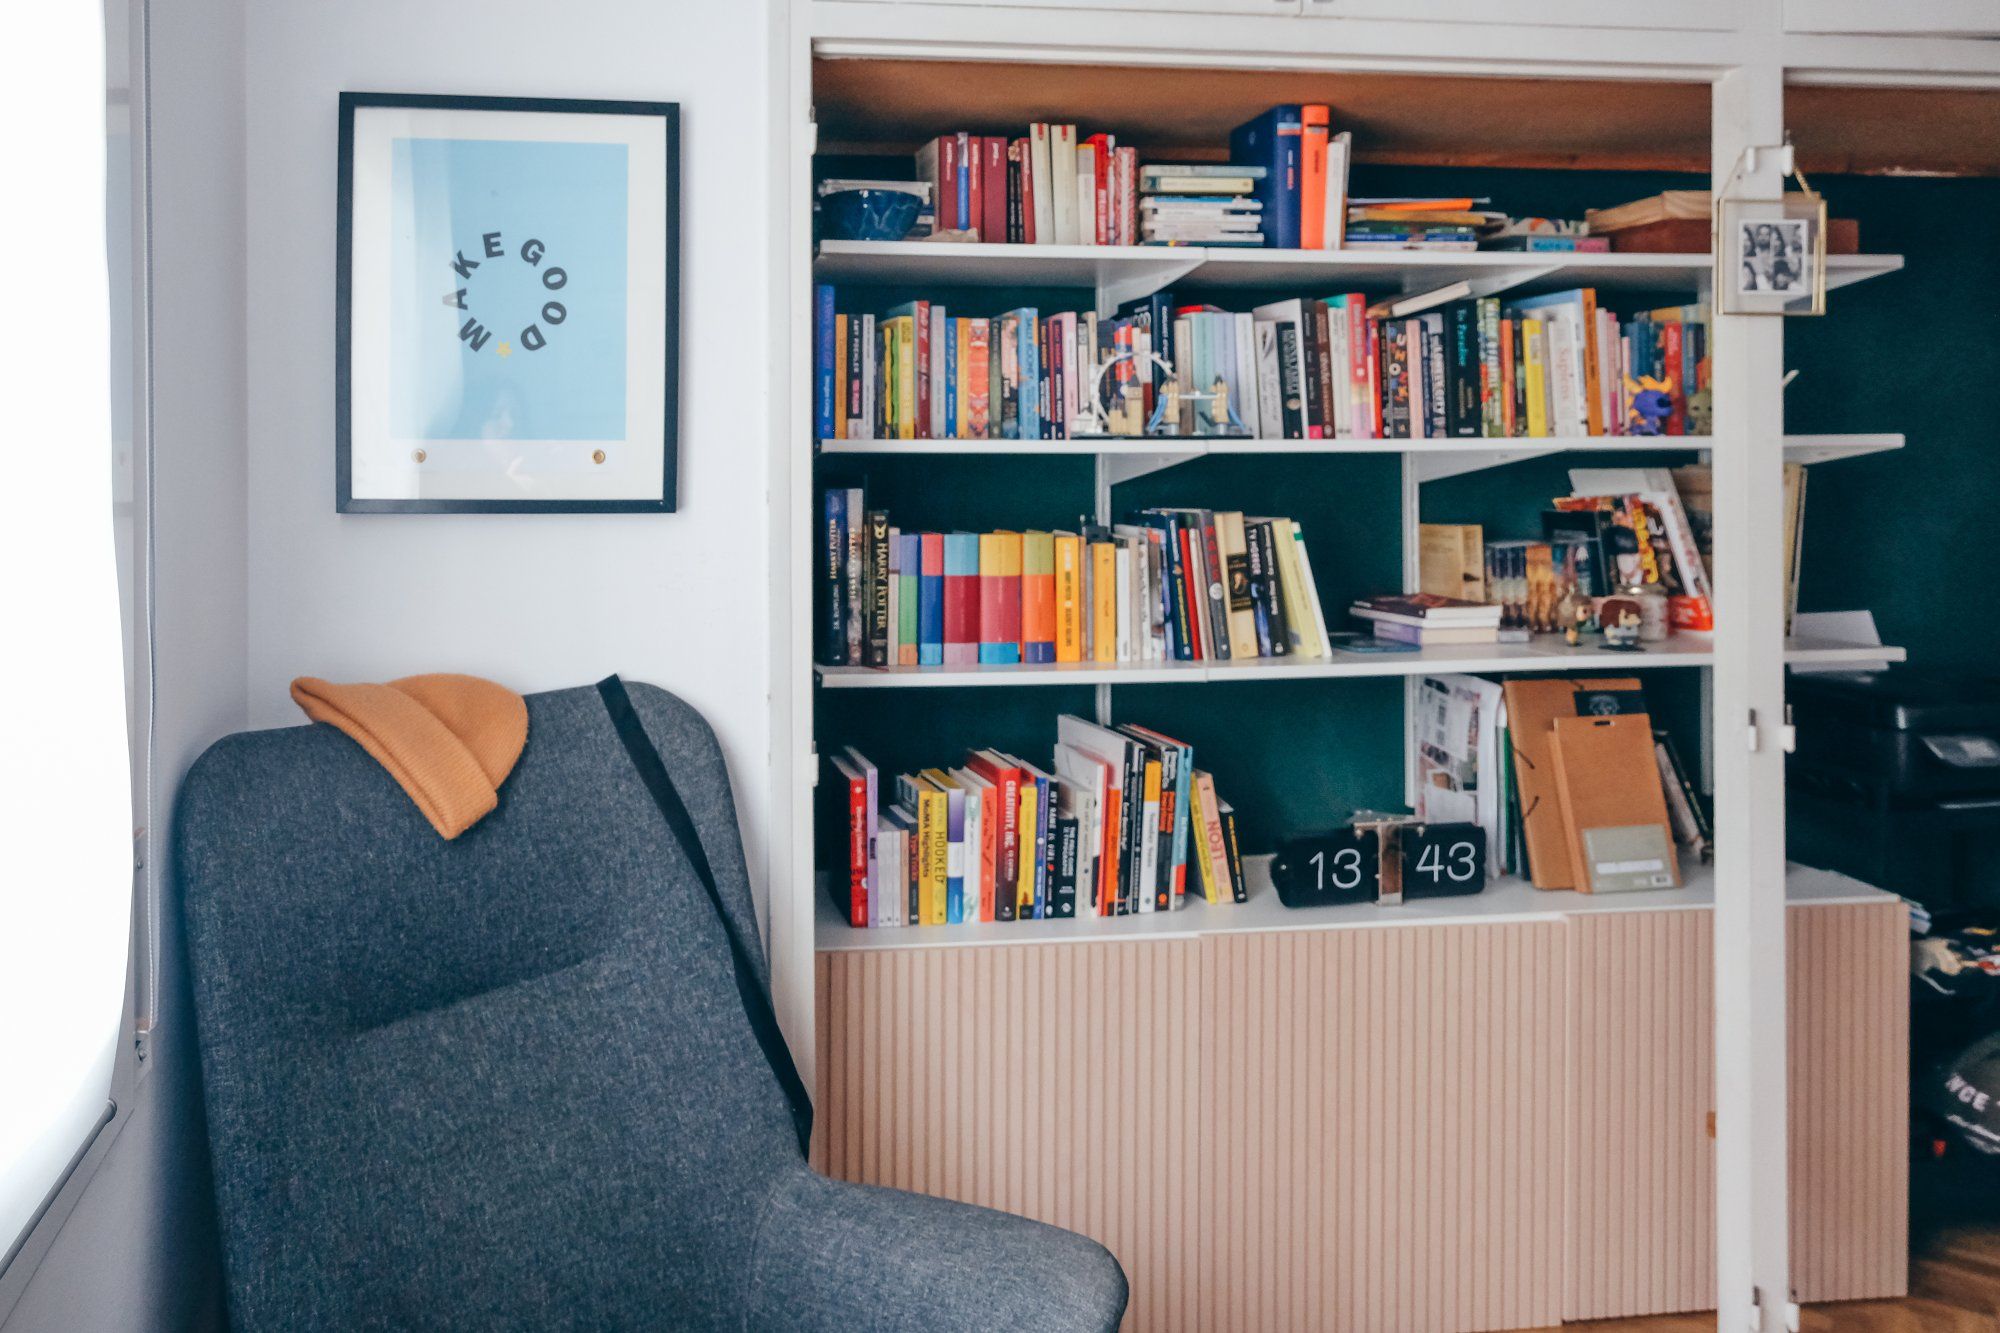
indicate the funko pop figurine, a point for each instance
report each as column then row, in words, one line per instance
column 1652, row 404
column 1620, row 617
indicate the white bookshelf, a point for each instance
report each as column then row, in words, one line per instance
column 1545, row 653
column 1506, row 899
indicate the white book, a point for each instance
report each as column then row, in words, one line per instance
column 977, row 792
column 1339, row 153
column 866, row 422
column 1062, row 180
column 1270, row 401
column 885, row 907
column 1086, row 194
column 1565, row 370
column 1125, row 603
column 1418, row 372
column 1309, row 589
column 1289, row 313
column 1133, row 536
column 1077, row 798
column 940, row 428
column 1040, row 166
column 1245, row 386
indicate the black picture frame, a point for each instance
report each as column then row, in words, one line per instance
column 346, row 502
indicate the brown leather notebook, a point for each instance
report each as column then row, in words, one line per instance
column 1614, row 811
column 1532, row 708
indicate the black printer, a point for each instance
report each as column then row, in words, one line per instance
column 1905, row 734
column 1895, row 779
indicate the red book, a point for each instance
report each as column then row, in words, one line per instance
column 937, row 162
column 858, row 834
column 993, row 187
column 1670, row 356
column 923, row 386
column 1006, row 777
column 1099, row 204
column 1194, row 593
column 961, row 597
column 1027, row 191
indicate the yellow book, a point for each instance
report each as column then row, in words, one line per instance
column 1197, row 841
column 1292, row 587
column 840, row 377
column 1104, row 601
column 1534, row 343
column 1069, row 597
column 933, row 853
column 1024, row 885
column 885, row 409
column 906, row 378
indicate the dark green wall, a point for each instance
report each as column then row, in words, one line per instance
column 1903, row 353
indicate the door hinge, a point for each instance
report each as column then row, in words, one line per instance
column 1754, row 737
column 812, row 766
column 1788, row 734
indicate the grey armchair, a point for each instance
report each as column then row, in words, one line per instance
column 506, row 1082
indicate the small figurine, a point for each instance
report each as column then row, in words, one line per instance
column 1701, row 412
column 1621, row 619
column 1652, row 404
column 1580, row 619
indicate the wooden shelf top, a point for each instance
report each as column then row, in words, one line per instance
column 1505, row 900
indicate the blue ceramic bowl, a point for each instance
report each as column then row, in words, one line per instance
column 868, row 215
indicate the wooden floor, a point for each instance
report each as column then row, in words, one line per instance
column 1954, row 1288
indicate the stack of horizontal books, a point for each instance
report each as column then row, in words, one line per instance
column 1200, row 204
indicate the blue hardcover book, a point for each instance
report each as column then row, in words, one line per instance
column 823, row 355
column 1045, row 842
column 930, row 598
column 1029, row 358
column 950, row 379
column 1272, row 141
column 833, row 571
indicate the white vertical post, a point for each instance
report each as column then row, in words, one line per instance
column 1751, row 1198
column 1410, row 509
column 794, row 766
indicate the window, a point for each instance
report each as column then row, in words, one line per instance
column 65, row 774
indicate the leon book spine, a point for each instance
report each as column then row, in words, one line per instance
column 961, row 599
column 931, row 599
column 878, row 588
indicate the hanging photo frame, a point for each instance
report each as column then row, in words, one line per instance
column 1770, row 255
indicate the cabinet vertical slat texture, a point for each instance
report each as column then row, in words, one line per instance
column 1641, row 1086
column 1435, row 1128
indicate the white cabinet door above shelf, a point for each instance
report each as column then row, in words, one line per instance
column 1909, row 18
column 1711, row 15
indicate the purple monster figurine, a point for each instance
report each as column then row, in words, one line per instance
column 1652, row 404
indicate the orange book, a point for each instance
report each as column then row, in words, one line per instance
column 1593, row 409
column 1317, row 124
column 1038, row 597
column 1069, row 596
column 1104, row 601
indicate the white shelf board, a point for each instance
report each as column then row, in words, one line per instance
column 1503, row 901
column 1136, row 270
column 1545, row 653
column 1436, row 459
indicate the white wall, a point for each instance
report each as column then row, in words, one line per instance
column 534, row 602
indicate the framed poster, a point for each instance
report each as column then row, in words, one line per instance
column 507, row 312
column 1771, row 256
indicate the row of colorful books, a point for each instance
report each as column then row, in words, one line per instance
column 1047, row 187
column 1430, row 366
column 1121, row 823
column 1170, row 585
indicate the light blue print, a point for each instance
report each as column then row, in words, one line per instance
column 531, row 238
